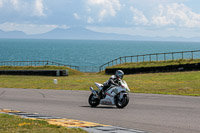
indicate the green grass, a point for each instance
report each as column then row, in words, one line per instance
column 178, row 83
column 175, row 83
column 16, row 124
column 156, row 63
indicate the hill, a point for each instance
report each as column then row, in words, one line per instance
column 12, row 34
column 82, row 33
column 79, row 33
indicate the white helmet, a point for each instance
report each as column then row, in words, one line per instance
column 119, row 74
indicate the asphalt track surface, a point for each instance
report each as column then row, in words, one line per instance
column 146, row 112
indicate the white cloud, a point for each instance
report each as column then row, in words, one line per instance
column 39, row 8
column 76, row 16
column 138, row 16
column 14, row 2
column 102, row 14
column 1, row 3
column 176, row 15
column 23, row 7
column 89, row 9
column 107, row 7
column 90, row 20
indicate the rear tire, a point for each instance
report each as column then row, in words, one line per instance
column 123, row 102
column 93, row 101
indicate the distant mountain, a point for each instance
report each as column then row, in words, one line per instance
column 85, row 34
column 12, row 34
column 82, row 33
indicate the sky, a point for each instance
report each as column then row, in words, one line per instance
column 151, row 18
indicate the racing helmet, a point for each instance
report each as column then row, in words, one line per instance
column 119, row 74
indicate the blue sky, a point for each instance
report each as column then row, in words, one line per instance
column 163, row 18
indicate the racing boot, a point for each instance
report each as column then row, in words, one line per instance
column 100, row 94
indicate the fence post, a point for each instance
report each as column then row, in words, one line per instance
column 192, row 55
column 164, row 56
column 100, row 69
column 150, row 58
column 143, row 58
column 182, row 55
column 120, row 60
column 156, row 57
column 172, row 56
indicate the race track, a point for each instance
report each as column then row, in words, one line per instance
column 147, row 112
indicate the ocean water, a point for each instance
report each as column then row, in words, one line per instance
column 84, row 52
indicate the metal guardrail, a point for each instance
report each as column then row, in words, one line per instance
column 35, row 63
column 48, row 63
column 152, row 57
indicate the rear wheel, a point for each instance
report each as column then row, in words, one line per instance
column 121, row 103
column 93, row 101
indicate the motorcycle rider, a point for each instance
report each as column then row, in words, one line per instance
column 114, row 80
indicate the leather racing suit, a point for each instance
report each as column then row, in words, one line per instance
column 114, row 80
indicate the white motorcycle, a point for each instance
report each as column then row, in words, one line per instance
column 115, row 95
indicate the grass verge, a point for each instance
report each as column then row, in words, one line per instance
column 16, row 124
column 174, row 83
column 156, row 63
column 71, row 71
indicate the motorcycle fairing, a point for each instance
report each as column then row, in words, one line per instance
column 110, row 94
column 100, row 86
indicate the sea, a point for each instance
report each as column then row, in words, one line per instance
column 84, row 53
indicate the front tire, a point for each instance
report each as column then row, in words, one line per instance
column 121, row 103
column 93, row 101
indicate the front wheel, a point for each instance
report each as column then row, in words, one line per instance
column 121, row 103
column 93, row 101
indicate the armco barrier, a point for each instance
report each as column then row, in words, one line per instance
column 170, row 68
column 152, row 57
column 35, row 72
column 35, row 63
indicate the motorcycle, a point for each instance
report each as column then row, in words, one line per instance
column 114, row 95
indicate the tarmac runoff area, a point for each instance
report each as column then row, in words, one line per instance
column 71, row 123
